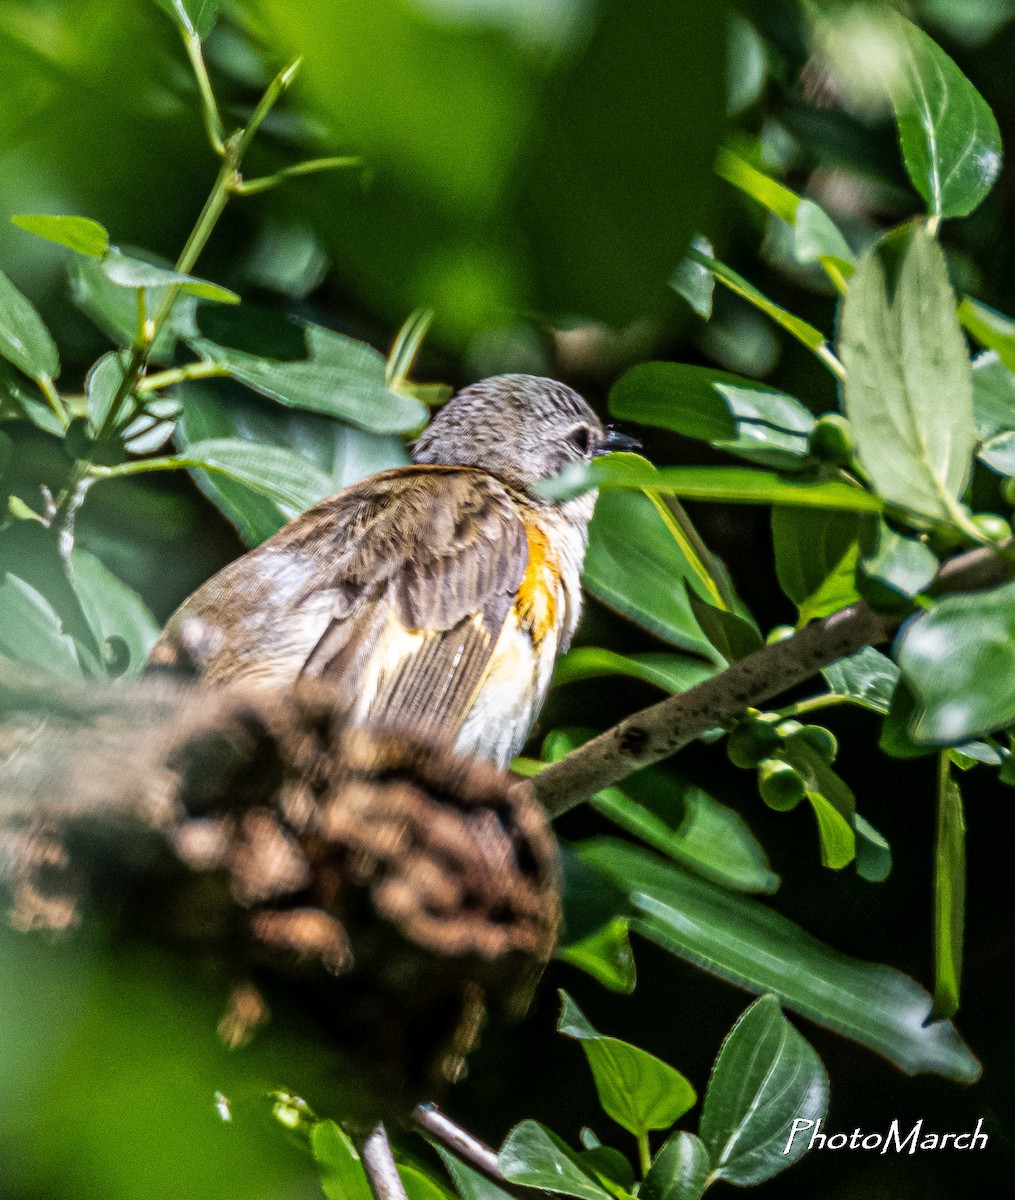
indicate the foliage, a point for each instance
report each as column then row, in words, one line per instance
column 530, row 206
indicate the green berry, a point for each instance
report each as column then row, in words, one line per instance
column 780, row 633
column 1008, row 491
column 781, row 786
column 788, row 729
column 750, row 742
column 992, row 526
column 820, row 739
column 831, row 440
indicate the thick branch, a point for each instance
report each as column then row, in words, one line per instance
column 655, row 733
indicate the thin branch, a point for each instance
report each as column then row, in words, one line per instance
column 438, row 1127
column 657, row 732
column 379, row 1164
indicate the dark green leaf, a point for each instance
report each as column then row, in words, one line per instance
column 469, row 1184
column 815, row 553
column 949, row 896
column 950, row 140
column 635, row 567
column 867, row 678
column 129, row 272
column 679, row 1171
column 896, row 739
column 959, row 659
column 991, row 329
column 873, row 853
column 638, row 1090
column 21, row 398
column 24, row 340
column 908, row 393
column 342, row 1174
column 76, row 233
column 751, row 945
column 765, row 1077
column 340, row 377
column 114, row 611
column 605, row 954
column 101, row 385
column 733, row 636
column 535, row 1157
column 341, row 452
column 32, row 632
column 695, row 282
column 671, row 672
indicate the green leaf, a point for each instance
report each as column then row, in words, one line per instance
column 469, row 1184
column 908, row 391
column 24, row 340
column 126, row 271
column 950, row 140
column 867, row 678
column 734, row 485
column 949, row 895
column 815, row 555
column 32, row 632
column 340, row 377
column 753, row 946
column 873, row 853
column 838, row 842
column 605, row 954
column 635, row 567
column 421, row 1185
column 76, row 233
column 101, row 385
column 679, row 1171
column 903, row 565
column 120, row 620
column 671, row 672
column 991, row 329
column 341, row 452
column 281, row 475
column 765, row 1077
column 816, row 237
column 639, row 1091
column 342, row 1174
column 733, row 634
column 194, row 17
column 993, row 394
column 114, row 309
column 959, row 660
column 695, row 282
column 535, row 1157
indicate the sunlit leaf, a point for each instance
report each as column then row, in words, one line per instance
column 605, row 954
column 342, row 1174
column 535, row 1157
column 671, row 672
column 815, row 557
column 129, row 272
column 766, row 1076
column 76, row 233
column 949, row 896
column 867, row 678
column 679, row 1171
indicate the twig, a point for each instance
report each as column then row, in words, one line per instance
column 655, row 733
column 379, row 1164
column 438, row 1127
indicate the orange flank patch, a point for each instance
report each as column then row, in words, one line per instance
column 536, row 600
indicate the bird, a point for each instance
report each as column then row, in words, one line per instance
column 438, row 594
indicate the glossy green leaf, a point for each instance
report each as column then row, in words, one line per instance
column 535, row 1157
column 341, row 452
column 993, row 394
column 671, row 672
column 947, row 653
column 79, row 234
column 733, row 634
column 815, row 556
column 751, row 945
column 340, row 377
column 679, row 1171
column 121, row 622
column 765, row 1077
column 605, row 954
column 101, row 385
column 639, row 1091
column 734, row 485
column 950, row 140
column 949, row 896
column 990, row 328
column 902, row 564
column 21, row 398
column 873, row 853
column 695, row 282
column 24, row 340
column 342, row 1173
column 469, row 1183
column 31, row 630
column 908, row 393
column 194, row 17
column 816, row 237
column 129, row 272
column 635, row 567
column 867, row 678
column 421, row 1185
column 838, row 842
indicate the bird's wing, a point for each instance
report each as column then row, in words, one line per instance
column 431, row 562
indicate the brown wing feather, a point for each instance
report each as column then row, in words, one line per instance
column 399, row 584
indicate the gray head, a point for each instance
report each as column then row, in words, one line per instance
column 520, row 427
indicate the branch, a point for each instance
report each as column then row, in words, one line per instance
column 436, row 1126
column 379, row 1164
column 661, row 730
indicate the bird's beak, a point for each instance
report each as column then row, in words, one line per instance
column 615, row 440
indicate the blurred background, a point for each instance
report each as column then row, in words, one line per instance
column 533, row 172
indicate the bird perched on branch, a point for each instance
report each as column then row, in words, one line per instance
column 438, row 594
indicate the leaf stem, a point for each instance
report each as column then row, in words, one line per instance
column 209, row 105
column 644, row 1152
column 311, row 166
column 48, row 389
column 202, row 369
column 813, row 704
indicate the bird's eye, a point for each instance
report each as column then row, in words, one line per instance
column 580, row 438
